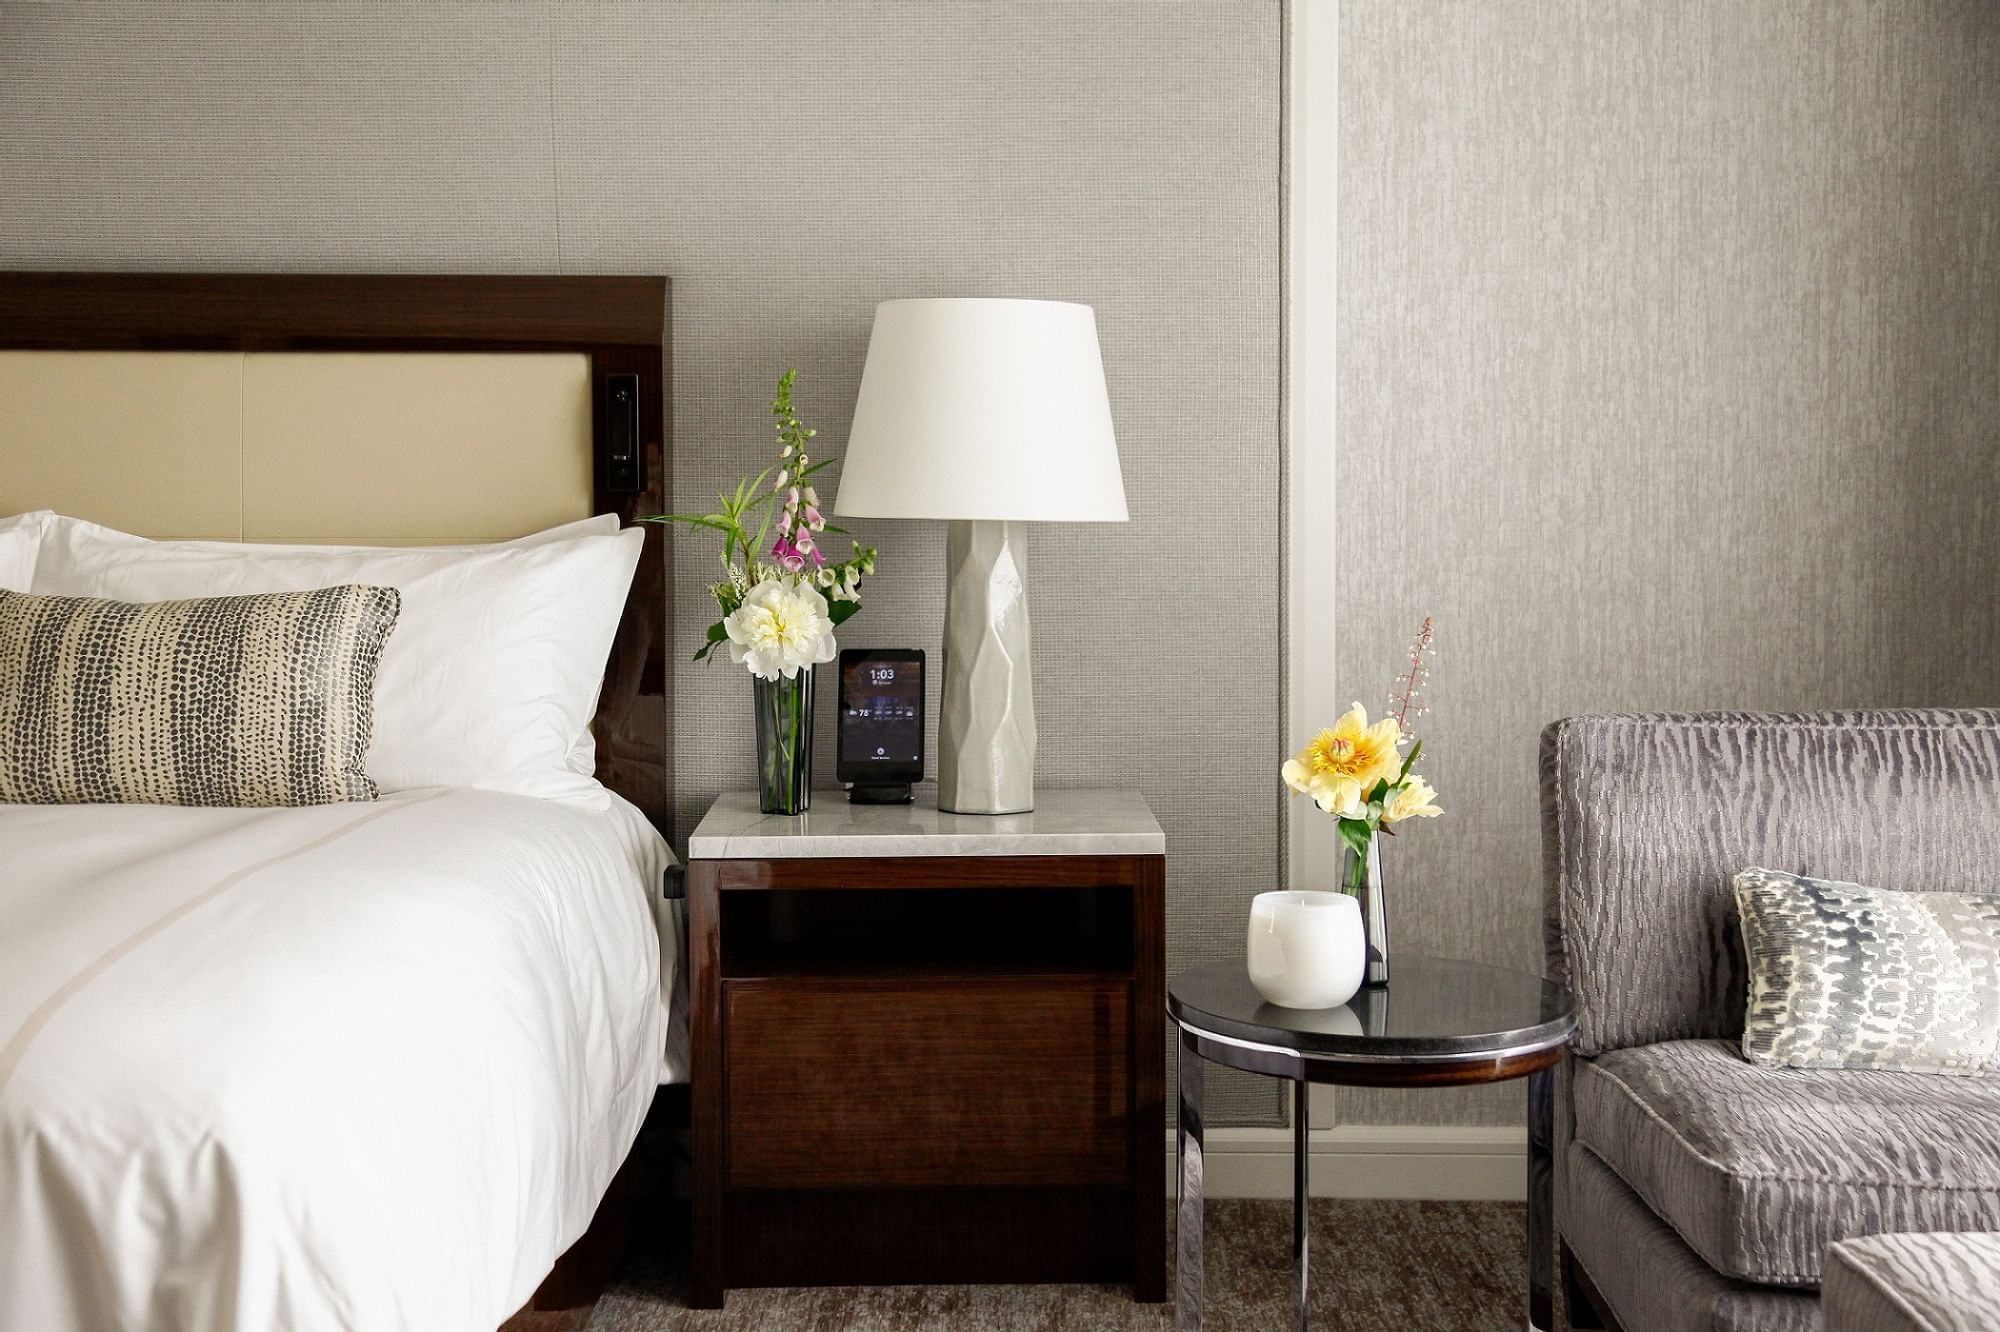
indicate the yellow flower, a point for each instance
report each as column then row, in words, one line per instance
column 1412, row 800
column 1342, row 764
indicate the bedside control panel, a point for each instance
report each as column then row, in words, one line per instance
column 624, row 469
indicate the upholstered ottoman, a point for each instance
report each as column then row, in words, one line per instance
column 1913, row 1283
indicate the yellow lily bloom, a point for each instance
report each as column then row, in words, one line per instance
column 1414, row 799
column 1343, row 763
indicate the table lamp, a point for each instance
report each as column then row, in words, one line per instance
column 992, row 414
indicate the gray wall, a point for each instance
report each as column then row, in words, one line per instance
column 1668, row 341
column 1669, row 377
column 787, row 165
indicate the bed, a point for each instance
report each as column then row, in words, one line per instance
column 371, row 1064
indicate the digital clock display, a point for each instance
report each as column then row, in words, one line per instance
column 882, row 711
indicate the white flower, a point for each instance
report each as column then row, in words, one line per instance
column 781, row 627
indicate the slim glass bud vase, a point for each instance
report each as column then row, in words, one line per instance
column 784, row 743
column 1374, row 914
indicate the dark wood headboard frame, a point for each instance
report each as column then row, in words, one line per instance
column 620, row 323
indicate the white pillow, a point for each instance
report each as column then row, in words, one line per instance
column 20, row 542
column 75, row 532
column 491, row 676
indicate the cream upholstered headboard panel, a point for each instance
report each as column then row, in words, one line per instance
column 383, row 448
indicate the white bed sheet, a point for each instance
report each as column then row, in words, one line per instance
column 364, row 1067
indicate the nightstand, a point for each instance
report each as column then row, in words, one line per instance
column 928, row 1047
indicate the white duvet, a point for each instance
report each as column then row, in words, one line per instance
column 364, row 1067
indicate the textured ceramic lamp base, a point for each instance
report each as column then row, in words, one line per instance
column 986, row 730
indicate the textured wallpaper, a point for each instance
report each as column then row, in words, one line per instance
column 1669, row 335
column 787, row 166
column 1669, row 377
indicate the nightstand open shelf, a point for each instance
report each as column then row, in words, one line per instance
column 928, row 1067
column 911, row 932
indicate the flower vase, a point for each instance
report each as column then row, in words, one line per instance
column 1364, row 882
column 784, row 743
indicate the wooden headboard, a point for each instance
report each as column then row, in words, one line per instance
column 606, row 337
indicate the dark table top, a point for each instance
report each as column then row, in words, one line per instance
column 1431, row 1008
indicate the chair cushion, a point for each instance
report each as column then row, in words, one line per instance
column 1760, row 1168
column 1652, row 1281
column 1914, row 1283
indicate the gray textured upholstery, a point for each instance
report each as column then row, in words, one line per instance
column 1914, row 1283
column 1655, row 1282
column 1760, row 1168
column 1646, row 818
column 1737, row 1170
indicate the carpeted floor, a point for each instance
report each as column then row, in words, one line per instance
column 1439, row 1266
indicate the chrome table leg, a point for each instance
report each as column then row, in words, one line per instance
column 1541, row 1201
column 1301, row 1122
column 1187, row 1218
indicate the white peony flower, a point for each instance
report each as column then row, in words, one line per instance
column 781, row 627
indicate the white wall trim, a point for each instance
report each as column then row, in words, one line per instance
column 1368, row 1161
column 1312, row 693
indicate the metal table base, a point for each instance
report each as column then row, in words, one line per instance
column 1196, row 1048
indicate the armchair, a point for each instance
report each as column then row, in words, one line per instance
column 1695, row 1190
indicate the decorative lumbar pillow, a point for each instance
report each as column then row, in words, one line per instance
column 246, row 700
column 1843, row 976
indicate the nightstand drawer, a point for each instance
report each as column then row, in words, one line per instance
column 922, row 1081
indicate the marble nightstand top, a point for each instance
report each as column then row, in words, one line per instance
column 1063, row 823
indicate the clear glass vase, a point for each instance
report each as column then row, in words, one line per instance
column 784, row 743
column 1374, row 914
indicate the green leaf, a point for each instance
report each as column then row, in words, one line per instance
column 1408, row 759
column 840, row 612
column 718, row 632
column 1357, row 834
column 714, row 520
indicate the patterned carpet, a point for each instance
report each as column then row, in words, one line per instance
column 1447, row 1266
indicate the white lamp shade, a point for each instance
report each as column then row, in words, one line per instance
column 983, row 409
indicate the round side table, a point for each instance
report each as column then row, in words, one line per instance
column 1437, row 1023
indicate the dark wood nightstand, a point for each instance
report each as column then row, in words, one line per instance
column 928, row 1047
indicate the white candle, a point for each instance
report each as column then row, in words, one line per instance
column 1306, row 949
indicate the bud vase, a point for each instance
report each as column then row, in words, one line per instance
column 784, row 743
column 1367, row 887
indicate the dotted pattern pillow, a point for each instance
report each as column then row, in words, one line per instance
column 1843, row 976
column 250, row 700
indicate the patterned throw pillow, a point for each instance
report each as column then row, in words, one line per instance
column 255, row 700
column 1843, row 976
